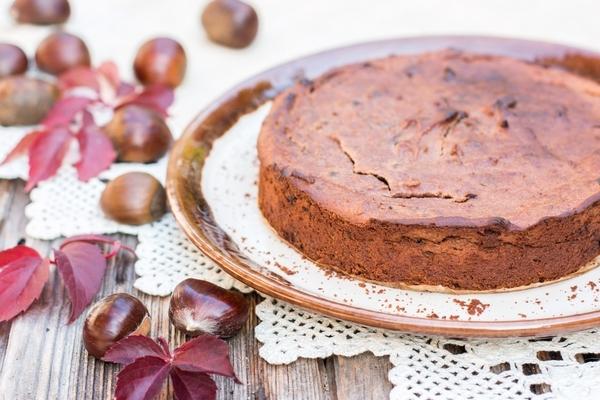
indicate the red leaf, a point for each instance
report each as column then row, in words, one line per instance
column 130, row 348
column 206, row 353
column 64, row 111
column 14, row 253
column 46, row 154
column 79, row 77
column 81, row 266
column 193, row 385
column 97, row 239
column 109, row 70
column 156, row 97
column 23, row 274
column 22, row 147
column 142, row 379
column 125, row 89
column 148, row 360
column 95, row 148
column 164, row 345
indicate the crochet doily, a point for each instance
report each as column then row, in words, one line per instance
column 431, row 367
column 424, row 367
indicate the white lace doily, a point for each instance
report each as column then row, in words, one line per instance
column 424, row 367
column 166, row 257
column 431, row 367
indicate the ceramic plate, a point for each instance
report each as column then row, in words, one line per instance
column 211, row 183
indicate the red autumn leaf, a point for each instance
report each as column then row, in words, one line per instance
column 81, row 266
column 96, row 151
column 205, row 353
column 125, row 89
column 22, row 147
column 98, row 239
column 109, row 70
column 96, row 154
column 142, row 379
column 156, row 97
column 23, row 274
column 46, row 154
column 79, row 77
column 146, row 361
column 64, row 111
column 15, row 253
column 163, row 343
column 192, row 385
column 130, row 348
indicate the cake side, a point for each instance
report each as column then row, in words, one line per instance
column 461, row 258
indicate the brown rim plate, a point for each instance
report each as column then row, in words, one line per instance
column 196, row 219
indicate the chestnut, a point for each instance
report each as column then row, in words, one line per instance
column 160, row 61
column 199, row 307
column 113, row 318
column 231, row 23
column 61, row 51
column 134, row 198
column 41, row 12
column 25, row 100
column 13, row 60
column 138, row 134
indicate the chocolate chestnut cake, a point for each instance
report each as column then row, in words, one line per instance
column 465, row 171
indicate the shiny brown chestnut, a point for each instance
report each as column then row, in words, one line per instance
column 160, row 61
column 41, row 12
column 134, row 198
column 138, row 134
column 61, row 51
column 25, row 100
column 13, row 60
column 199, row 307
column 113, row 318
column 231, row 23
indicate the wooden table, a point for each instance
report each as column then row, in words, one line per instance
column 41, row 357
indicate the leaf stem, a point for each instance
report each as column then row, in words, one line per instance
column 116, row 245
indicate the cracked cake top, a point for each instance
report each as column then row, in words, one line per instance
column 448, row 138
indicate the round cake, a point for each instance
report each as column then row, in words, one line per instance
column 465, row 171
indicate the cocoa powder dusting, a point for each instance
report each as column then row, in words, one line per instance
column 285, row 269
column 474, row 307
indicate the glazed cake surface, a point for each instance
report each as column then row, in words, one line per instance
column 466, row 171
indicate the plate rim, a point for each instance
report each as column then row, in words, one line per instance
column 272, row 287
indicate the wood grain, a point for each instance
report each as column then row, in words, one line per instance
column 41, row 357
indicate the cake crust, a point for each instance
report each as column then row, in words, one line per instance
column 449, row 169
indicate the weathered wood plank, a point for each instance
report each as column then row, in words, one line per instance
column 12, row 226
column 362, row 377
column 41, row 357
